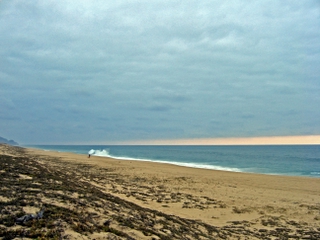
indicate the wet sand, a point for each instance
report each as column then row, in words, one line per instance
column 145, row 200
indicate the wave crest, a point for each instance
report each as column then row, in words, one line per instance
column 105, row 153
column 100, row 153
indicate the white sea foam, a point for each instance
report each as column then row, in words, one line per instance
column 100, row 153
column 203, row 166
column 92, row 151
column 105, row 153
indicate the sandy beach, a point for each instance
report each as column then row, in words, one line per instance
column 104, row 198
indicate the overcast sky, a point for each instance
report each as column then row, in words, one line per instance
column 102, row 71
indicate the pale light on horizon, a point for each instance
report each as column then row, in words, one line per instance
column 274, row 140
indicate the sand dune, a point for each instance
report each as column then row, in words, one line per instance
column 104, row 198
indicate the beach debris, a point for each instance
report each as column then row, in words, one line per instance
column 107, row 223
column 29, row 217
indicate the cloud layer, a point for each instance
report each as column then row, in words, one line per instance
column 94, row 71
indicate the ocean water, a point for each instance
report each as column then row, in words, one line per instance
column 293, row 160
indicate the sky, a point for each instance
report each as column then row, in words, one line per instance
column 81, row 72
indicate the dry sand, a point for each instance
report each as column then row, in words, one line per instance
column 195, row 203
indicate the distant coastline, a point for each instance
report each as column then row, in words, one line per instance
column 10, row 142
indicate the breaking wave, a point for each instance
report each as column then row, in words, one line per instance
column 105, row 153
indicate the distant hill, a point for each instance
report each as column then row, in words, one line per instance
column 11, row 142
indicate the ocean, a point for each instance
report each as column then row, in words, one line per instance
column 290, row 160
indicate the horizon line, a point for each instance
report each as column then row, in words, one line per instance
column 262, row 140
column 270, row 140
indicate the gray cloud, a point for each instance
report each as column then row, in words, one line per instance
column 79, row 71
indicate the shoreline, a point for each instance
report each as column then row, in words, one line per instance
column 195, row 165
column 249, row 205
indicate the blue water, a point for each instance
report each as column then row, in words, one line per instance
column 293, row 160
